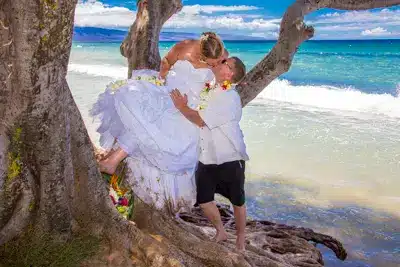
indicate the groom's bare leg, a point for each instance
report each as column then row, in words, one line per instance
column 240, row 221
column 212, row 213
column 109, row 164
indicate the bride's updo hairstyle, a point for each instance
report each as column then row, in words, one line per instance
column 211, row 46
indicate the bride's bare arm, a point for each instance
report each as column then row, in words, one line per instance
column 177, row 52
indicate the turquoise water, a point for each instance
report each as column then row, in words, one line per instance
column 371, row 66
column 323, row 139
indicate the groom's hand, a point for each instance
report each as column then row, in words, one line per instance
column 180, row 101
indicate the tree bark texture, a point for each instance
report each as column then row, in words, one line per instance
column 140, row 47
column 49, row 179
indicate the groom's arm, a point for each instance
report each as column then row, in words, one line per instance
column 192, row 115
column 180, row 103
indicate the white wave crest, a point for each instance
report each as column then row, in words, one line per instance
column 331, row 98
column 116, row 72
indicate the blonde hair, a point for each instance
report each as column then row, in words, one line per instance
column 211, row 46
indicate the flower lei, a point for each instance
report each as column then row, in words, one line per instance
column 114, row 86
column 152, row 79
column 121, row 196
column 204, row 94
column 226, row 85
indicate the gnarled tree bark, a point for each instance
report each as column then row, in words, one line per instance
column 48, row 174
column 49, row 180
column 140, row 47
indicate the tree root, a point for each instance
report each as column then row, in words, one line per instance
column 266, row 240
column 268, row 244
column 21, row 216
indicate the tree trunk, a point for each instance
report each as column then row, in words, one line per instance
column 49, row 181
column 140, row 47
column 37, row 115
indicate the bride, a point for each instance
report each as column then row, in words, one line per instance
column 139, row 121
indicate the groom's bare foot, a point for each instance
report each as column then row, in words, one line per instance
column 240, row 240
column 220, row 236
column 107, row 166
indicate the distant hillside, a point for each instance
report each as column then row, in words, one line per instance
column 90, row 34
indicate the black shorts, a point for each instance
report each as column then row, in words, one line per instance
column 226, row 179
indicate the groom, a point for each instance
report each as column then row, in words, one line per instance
column 222, row 149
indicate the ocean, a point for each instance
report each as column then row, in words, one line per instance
column 323, row 139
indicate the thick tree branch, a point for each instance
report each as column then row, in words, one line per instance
column 293, row 32
column 361, row 4
column 140, row 47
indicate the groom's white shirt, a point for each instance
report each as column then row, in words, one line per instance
column 221, row 140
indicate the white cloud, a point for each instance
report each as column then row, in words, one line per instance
column 358, row 24
column 97, row 14
column 265, row 35
column 382, row 16
column 379, row 31
column 198, row 16
column 339, row 28
column 209, row 9
column 230, row 22
column 245, row 20
column 203, row 18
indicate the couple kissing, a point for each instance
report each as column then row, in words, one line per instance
column 178, row 130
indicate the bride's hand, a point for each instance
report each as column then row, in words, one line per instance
column 162, row 74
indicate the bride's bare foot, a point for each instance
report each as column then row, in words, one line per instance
column 240, row 240
column 220, row 236
column 107, row 166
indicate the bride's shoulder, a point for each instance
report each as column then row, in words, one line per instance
column 189, row 42
column 187, row 46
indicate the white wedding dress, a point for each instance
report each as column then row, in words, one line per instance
column 162, row 144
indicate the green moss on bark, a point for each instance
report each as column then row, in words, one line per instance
column 14, row 156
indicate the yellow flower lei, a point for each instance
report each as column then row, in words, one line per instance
column 114, row 86
column 226, row 85
column 204, row 94
column 152, row 79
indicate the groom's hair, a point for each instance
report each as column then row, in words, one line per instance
column 239, row 70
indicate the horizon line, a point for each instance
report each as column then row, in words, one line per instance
column 251, row 40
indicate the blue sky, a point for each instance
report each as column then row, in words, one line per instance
column 254, row 18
